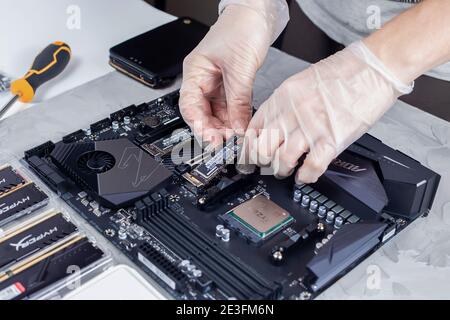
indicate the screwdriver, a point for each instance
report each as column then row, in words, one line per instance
column 47, row 65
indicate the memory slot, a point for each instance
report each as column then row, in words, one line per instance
column 230, row 275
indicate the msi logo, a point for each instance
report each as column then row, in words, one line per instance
column 347, row 165
column 30, row 239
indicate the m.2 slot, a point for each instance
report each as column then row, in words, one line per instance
column 160, row 132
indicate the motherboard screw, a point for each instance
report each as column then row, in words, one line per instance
column 277, row 256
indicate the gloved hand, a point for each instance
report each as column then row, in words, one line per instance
column 218, row 75
column 320, row 112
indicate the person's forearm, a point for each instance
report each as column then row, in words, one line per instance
column 415, row 41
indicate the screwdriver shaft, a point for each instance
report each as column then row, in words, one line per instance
column 7, row 106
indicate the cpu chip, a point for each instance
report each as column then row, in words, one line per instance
column 257, row 218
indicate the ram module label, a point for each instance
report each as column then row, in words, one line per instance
column 21, row 201
column 32, row 275
column 33, row 237
column 9, row 179
column 12, row 291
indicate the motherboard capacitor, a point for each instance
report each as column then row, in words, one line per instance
column 122, row 233
column 225, row 235
column 219, row 230
column 330, row 217
column 190, row 268
column 115, row 125
column 313, row 206
column 338, row 222
column 322, row 212
column 183, row 264
column 297, row 195
column 305, row 201
column 197, row 273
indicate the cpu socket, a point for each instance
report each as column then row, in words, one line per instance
column 257, row 219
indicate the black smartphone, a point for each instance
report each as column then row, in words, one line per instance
column 155, row 58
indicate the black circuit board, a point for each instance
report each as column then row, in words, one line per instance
column 156, row 250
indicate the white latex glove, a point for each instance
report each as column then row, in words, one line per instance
column 320, row 112
column 218, row 75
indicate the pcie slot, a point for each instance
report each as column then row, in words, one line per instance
column 229, row 274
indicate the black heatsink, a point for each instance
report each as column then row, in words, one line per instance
column 115, row 172
column 96, row 162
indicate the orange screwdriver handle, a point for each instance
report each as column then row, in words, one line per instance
column 47, row 65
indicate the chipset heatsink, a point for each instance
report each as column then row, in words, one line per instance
column 116, row 173
column 257, row 219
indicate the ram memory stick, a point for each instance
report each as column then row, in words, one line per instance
column 21, row 201
column 32, row 275
column 9, row 179
column 33, row 237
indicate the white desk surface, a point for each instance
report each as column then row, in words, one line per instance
column 28, row 26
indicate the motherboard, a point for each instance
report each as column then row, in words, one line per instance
column 203, row 230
